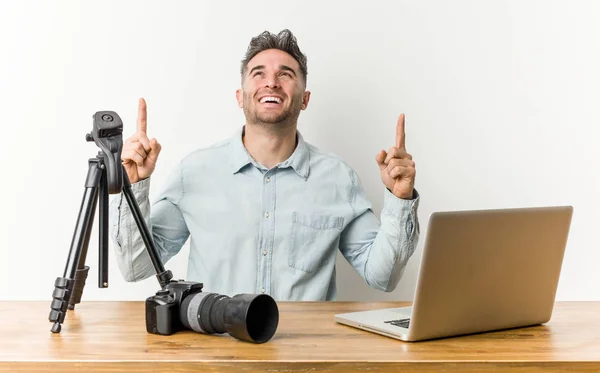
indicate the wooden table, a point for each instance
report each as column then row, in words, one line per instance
column 111, row 336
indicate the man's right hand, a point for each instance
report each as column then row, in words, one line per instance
column 139, row 153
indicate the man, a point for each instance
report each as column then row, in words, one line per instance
column 265, row 211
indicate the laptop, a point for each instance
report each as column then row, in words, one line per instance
column 481, row 270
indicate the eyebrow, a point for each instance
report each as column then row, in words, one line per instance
column 282, row 67
column 287, row 68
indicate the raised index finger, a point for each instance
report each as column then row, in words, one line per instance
column 400, row 136
column 141, row 119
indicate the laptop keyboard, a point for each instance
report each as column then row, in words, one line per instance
column 403, row 323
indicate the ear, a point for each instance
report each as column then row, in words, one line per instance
column 305, row 99
column 239, row 96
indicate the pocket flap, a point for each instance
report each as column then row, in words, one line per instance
column 317, row 221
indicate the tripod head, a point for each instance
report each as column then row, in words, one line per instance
column 107, row 133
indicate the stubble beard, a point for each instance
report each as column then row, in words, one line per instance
column 272, row 121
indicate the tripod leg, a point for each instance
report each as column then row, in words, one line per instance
column 64, row 286
column 103, row 225
column 163, row 276
column 82, row 270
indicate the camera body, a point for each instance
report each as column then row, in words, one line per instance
column 162, row 309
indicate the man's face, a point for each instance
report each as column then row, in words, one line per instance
column 273, row 91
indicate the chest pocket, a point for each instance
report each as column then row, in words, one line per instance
column 312, row 238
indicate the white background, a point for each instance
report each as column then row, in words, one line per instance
column 500, row 97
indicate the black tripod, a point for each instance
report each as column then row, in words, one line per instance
column 106, row 175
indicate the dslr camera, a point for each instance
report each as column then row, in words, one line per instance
column 182, row 305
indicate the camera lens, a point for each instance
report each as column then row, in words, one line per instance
column 248, row 317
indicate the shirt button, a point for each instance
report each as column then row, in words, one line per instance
column 262, row 290
column 266, row 214
column 268, row 179
column 265, row 252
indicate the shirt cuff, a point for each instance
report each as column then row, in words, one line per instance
column 141, row 190
column 399, row 207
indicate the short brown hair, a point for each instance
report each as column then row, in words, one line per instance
column 284, row 41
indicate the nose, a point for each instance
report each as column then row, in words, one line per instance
column 272, row 81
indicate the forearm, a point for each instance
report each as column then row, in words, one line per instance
column 130, row 252
column 394, row 244
column 378, row 251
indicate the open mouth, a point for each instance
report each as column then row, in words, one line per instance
column 273, row 101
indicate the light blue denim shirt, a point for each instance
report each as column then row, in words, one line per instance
column 273, row 231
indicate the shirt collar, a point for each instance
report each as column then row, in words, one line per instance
column 299, row 160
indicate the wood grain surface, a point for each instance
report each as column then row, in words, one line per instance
column 111, row 337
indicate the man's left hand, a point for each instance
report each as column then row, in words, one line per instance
column 397, row 166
